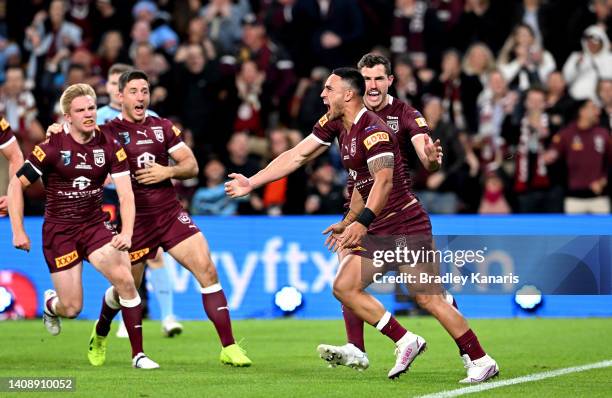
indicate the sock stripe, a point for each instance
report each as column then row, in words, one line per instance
column 211, row 289
column 129, row 303
column 383, row 321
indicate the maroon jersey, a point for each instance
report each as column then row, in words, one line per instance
column 73, row 175
column 587, row 153
column 6, row 134
column 368, row 139
column 403, row 120
column 151, row 141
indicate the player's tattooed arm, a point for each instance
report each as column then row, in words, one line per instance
column 381, row 169
column 383, row 162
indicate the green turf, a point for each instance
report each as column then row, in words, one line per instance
column 286, row 363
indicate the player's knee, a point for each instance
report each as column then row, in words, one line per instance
column 429, row 302
column 342, row 291
column 72, row 310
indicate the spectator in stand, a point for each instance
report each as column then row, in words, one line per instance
column 211, row 199
column 533, row 14
column 224, row 21
column 479, row 61
column 459, row 93
column 307, row 107
column 586, row 149
column 584, row 69
column 416, row 30
column 493, row 200
column 496, row 105
column 482, row 21
column 325, row 195
column 531, row 180
column 111, row 51
column 249, row 98
column 197, row 33
column 593, row 12
column 239, row 161
column 604, row 92
column 162, row 37
column 559, row 104
column 523, row 61
column 408, row 87
column 438, row 194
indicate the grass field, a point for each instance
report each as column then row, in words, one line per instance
column 286, row 363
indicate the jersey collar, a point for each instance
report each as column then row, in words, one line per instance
column 359, row 114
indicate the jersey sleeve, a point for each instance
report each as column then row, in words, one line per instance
column 325, row 130
column 42, row 156
column 119, row 163
column 377, row 143
column 414, row 122
column 6, row 134
column 173, row 136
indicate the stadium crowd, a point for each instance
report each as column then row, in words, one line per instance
column 519, row 92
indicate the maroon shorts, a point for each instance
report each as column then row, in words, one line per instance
column 64, row 246
column 165, row 229
column 409, row 227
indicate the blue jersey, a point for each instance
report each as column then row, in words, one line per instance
column 108, row 113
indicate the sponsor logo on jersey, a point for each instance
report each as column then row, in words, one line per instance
column 159, row 133
column 121, row 156
column 39, row 153
column 81, row 183
column 375, row 138
column 126, row 137
column 184, row 218
column 370, row 128
column 4, row 125
column 577, row 144
column 176, row 130
column 66, row 259
column 323, row 120
column 421, row 122
column 599, row 144
column 144, row 142
column 99, row 159
column 66, row 157
column 83, row 164
column 353, row 146
column 138, row 254
column 142, row 132
column 353, row 174
column 143, row 159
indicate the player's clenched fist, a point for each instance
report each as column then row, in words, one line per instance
column 238, row 186
column 21, row 241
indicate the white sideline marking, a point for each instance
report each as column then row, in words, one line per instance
column 518, row 380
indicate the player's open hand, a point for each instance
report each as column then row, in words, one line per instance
column 238, row 186
column 433, row 150
column 21, row 241
column 3, row 206
column 333, row 242
column 55, row 128
column 153, row 173
column 352, row 236
column 121, row 242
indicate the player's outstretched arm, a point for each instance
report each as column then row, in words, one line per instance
column 123, row 184
column 430, row 153
column 15, row 160
column 283, row 165
column 16, row 187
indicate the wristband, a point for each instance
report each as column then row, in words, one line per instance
column 366, row 217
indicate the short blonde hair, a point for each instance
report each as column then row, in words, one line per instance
column 74, row 91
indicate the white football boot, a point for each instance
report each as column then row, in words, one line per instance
column 346, row 355
column 52, row 323
column 406, row 351
column 122, row 332
column 170, row 327
column 141, row 361
column 480, row 370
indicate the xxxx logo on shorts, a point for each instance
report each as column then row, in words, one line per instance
column 39, row 153
column 375, row 138
column 138, row 254
column 66, row 259
column 4, row 124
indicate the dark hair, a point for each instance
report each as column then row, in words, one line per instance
column 130, row 75
column 353, row 78
column 537, row 89
column 370, row 60
column 119, row 69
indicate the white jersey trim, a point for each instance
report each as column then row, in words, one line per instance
column 120, row 174
column 361, row 112
column 380, row 155
column 9, row 142
column 415, row 137
column 177, row 146
column 34, row 167
column 320, row 141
